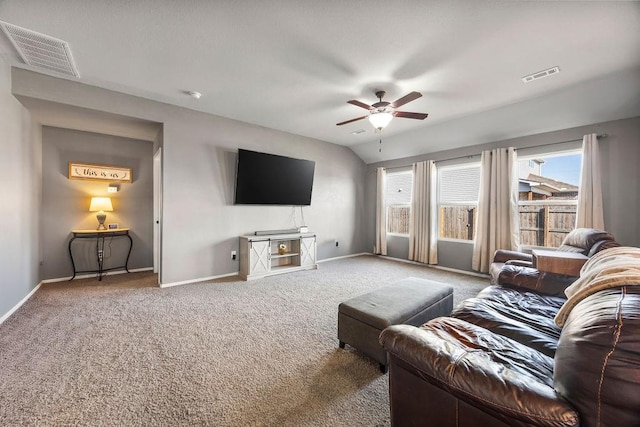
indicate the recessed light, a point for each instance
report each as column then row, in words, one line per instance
column 194, row 94
column 359, row 131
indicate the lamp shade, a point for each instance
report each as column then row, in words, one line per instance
column 100, row 204
column 379, row 120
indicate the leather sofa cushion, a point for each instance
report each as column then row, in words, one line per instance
column 534, row 280
column 583, row 239
column 597, row 363
column 483, row 369
column 526, row 317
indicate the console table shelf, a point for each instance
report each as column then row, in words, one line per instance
column 277, row 255
column 260, row 256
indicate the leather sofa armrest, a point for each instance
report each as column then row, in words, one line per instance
column 519, row 262
column 503, row 255
column 534, row 279
column 486, row 370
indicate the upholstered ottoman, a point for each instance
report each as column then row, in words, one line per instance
column 411, row 301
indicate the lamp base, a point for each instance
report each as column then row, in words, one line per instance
column 101, row 218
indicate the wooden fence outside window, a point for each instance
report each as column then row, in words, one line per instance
column 546, row 225
column 398, row 219
column 457, row 222
column 540, row 225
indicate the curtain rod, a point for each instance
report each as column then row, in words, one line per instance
column 602, row 135
column 470, row 156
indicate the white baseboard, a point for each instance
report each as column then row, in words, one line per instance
column 202, row 279
column 237, row 273
column 18, row 305
column 136, row 270
column 344, row 256
column 89, row 276
column 438, row 267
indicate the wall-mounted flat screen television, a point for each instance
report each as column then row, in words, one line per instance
column 268, row 179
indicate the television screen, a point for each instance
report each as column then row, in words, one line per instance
column 268, row 179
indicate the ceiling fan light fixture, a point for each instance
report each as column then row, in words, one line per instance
column 380, row 119
column 381, row 112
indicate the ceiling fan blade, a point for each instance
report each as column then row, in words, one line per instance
column 407, row 115
column 359, row 104
column 352, row 120
column 407, row 98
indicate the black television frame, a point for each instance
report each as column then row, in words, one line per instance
column 271, row 179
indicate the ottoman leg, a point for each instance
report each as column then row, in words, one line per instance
column 383, row 368
column 341, row 344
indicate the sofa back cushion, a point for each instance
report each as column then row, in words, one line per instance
column 526, row 317
column 597, row 362
column 583, row 240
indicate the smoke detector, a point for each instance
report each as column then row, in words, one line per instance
column 541, row 74
column 40, row 50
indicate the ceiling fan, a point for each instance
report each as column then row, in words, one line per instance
column 381, row 113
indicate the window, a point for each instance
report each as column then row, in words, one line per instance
column 548, row 199
column 458, row 188
column 398, row 201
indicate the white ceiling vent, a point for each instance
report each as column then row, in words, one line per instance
column 541, row 74
column 39, row 50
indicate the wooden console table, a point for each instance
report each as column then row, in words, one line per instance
column 100, row 235
column 568, row 263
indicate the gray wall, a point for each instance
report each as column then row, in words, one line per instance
column 620, row 153
column 398, row 246
column 200, row 223
column 65, row 202
column 20, row 145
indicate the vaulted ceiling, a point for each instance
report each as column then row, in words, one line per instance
column 291, row 65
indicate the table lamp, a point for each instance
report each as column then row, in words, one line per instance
column 100, row 205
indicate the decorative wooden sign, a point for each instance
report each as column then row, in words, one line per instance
column 86, row 171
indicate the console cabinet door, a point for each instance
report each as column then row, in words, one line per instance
column 259, row 257
column 307, row 251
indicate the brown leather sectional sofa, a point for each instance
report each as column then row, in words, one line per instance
column 501, row 359
column 585, row 241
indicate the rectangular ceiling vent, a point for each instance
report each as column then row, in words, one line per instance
column 41, row 51
column 541, row 74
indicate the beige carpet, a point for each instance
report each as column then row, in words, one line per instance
column 123, row 352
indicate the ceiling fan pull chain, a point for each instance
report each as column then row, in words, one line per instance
column 380, row 146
